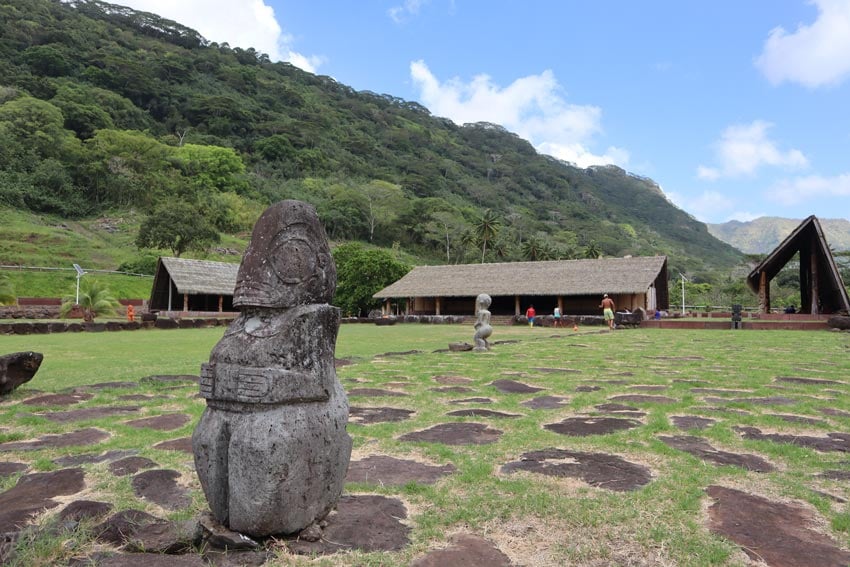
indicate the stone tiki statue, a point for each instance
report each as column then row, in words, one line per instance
column 271, row 449
column 483, row 330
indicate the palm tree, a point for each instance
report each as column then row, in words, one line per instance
column 486, row 229
column 592, row 251
column 95, row 300
column 7, row 291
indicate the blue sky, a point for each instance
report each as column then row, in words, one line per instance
column 738, row 109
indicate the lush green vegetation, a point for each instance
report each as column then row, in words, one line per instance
column 108, row 112
column 534, row 519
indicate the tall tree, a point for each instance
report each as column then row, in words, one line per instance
column 178, row 227
column 486, row 229
column 361, row 273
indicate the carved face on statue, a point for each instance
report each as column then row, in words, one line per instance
column 288, row 262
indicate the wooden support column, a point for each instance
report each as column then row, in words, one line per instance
column 220, row 303
column 815, row 289
column 438, row 305
column 516, row 305
column 561, row 303
column 387, row 310
column 764, row 293
column 185, row 302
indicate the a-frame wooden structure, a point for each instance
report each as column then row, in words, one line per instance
column 821, row 287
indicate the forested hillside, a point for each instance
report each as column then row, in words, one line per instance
column 105, row 109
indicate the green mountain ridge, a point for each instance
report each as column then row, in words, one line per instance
column 764, row 234
column 106, row 109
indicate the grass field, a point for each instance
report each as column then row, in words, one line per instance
column 729, row 377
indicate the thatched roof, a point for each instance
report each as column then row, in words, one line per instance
column 562, row 277
column 201, row 276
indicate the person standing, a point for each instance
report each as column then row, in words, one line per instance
column 607, row 306
column 530, row 313
column 556, row 315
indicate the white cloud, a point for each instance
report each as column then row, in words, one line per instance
column 814, row 55
column 408, row 9
column 744, row 216
column 705, row 206
column 802, row 189
column 240, row 23
column 533, row 107
column 744, row 148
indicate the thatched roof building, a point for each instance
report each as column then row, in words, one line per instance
column 822, row 289
column 576, row 286
column 193, row 285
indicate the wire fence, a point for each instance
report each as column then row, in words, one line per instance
column 51, row 269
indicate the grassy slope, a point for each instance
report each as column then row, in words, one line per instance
column 534, row 519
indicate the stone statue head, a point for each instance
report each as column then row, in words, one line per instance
column 288, row 261
column 482, row 302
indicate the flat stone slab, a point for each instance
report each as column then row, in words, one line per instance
column 615, row 407
column 374, row 392
column 765, row 401
column 34, row 493
column 110, row 385
column 555, row 370
column 596, row 469
column 456, row 434
column 805, row 381
column 477, row 412
column 472, row 401
column 121, row 526
column 832, row 442
column 452, row 390
column 586, row 426
column 835, row 475
column 701, row 449
column 546, row 402
column 164, row 422
column 452, row 380
column 643, row 398
column 87, row 413
column 89, row 458
column 588, row 388
column 834, row 412
column 130, row 465
column 686, row 422
column 58, row 399
column 148, row 560
column 90, row 436
column 364, row 522
column 798, row 419
column 781, row 535
column 514, row 387
column 163, row 536
column 378, row 415
column 80, row 510
column 720, row 392
column 465, row 550
column 8, row 469
column 181, row 444
column 137, row 397
column 160, row 486
column 649, row 388
column 389, row 471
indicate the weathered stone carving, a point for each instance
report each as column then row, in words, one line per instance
column 18, row 368
column 482, row 324
column 271, row 449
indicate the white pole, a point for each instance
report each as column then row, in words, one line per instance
column 683, row 293
column 77, row 302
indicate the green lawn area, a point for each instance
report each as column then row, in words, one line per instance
column 733, row 378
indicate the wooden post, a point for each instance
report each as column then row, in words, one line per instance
column 764, row 293
column 220, row 303
column 516, row 306
column 387, row 310
column 813, row 262
column 561, row 304
column 439, row 304
column 185, row 302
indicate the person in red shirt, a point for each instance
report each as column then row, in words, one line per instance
column 530, row 313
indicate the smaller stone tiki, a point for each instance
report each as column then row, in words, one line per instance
column 482, row 324
column 271, row 449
